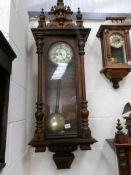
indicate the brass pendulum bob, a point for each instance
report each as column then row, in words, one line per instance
column 56, row 120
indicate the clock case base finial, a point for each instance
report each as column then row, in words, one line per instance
column 63, row 160
column 115, row 74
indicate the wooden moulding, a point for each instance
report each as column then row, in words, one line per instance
column 115, row 74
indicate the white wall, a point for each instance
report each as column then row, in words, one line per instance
column 5, row 17
column 17, row 34
column 99, row 6
column 105, row 105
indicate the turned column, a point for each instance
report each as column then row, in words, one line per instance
column 85, row 131
column 38, row 140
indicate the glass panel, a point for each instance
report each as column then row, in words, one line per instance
column 118, row 55
column 61, row 92
column 117, row 44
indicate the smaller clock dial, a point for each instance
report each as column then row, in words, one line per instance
column 116, row 40
column 60, row 53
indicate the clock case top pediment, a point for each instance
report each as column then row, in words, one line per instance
column 114, row 23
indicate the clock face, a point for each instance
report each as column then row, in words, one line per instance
column 61, row 53
column 116, row 40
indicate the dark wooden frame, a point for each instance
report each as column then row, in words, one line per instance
column 114, row 71
column 59, row 27
column 6, row 57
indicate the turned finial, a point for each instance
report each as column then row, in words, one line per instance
column 60, row 2
column 79, row 19
column 41, row 21
column 119, row 127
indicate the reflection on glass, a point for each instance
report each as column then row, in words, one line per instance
column 61, row 99
column 118, row 55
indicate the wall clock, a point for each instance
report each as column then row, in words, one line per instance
column 116, row 50
column 62, row 115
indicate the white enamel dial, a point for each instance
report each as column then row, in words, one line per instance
column 116, row 40
column 60, row 52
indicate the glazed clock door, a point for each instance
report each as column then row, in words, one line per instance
column 61, row 91
column 118, row 54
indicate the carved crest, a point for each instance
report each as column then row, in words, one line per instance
column 60, row 16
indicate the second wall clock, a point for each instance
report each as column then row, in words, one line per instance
column 116, row 49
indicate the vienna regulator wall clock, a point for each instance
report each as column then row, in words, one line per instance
column 116, row 49
column 62, row 115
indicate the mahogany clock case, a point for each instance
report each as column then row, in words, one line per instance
column 65, row 95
